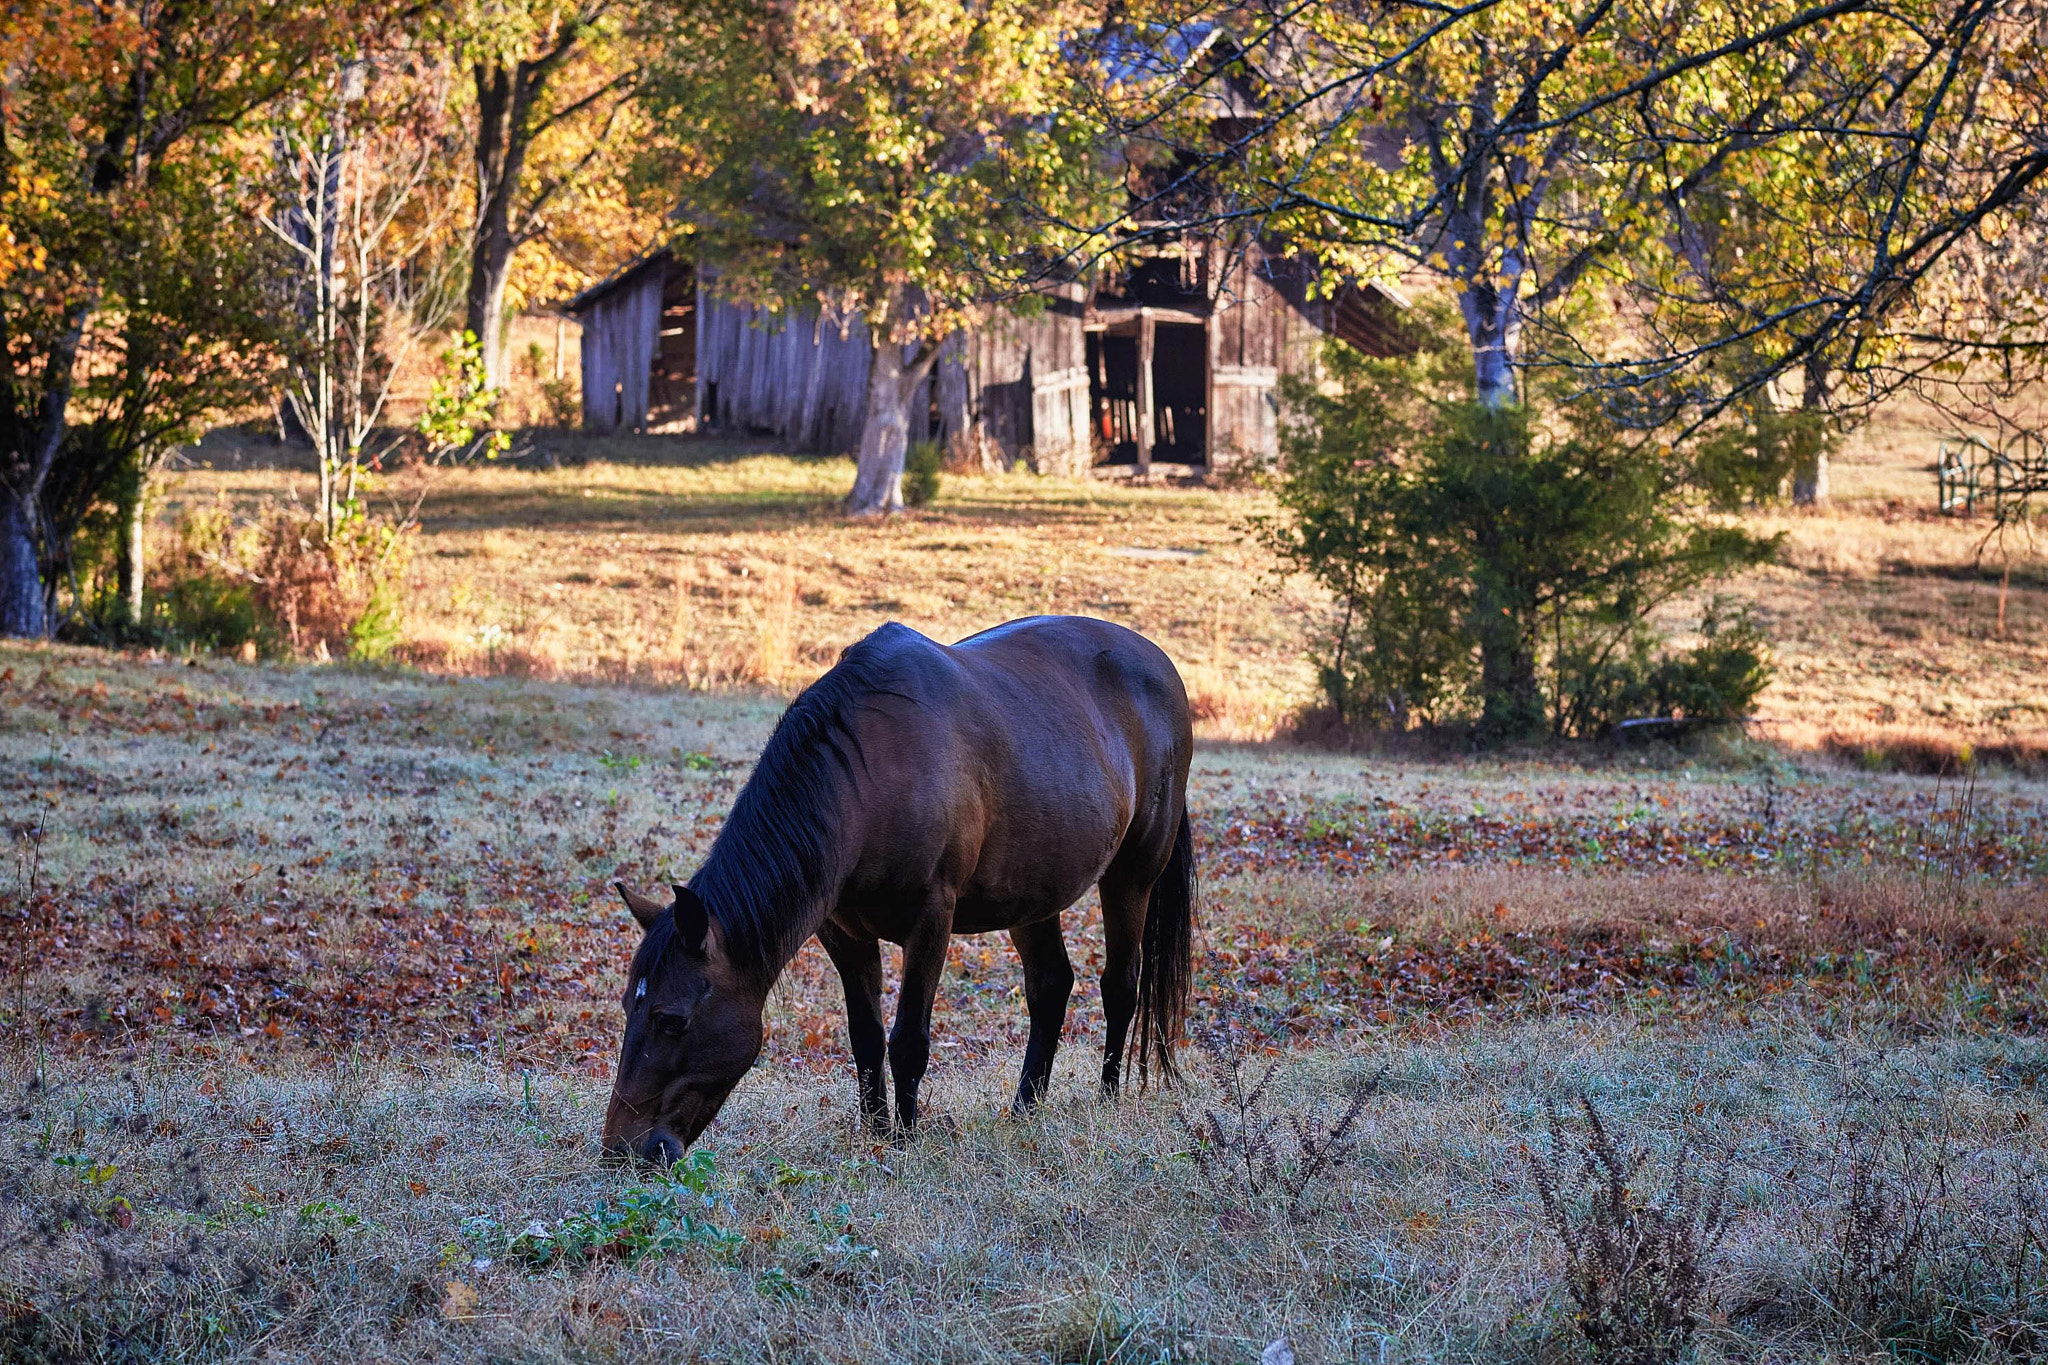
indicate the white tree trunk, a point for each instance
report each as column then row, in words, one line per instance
column 878, row 481
column 1493, row 324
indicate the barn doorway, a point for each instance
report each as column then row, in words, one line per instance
column 1180, row 393
column 1178, row 397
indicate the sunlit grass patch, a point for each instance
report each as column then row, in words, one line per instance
column 672, row 560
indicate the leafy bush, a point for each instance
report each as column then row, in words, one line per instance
column 337, row 594
column 1499, row 567
column 275, row 586
column 921, row 466
column 203, row 596
column 1601, row 683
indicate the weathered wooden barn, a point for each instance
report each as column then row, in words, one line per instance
column 1176, row 360
column 1176, row 357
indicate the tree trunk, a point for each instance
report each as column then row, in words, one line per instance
column 21, row 581
column 1493, row 324
column 490, row 262
column 1511, row 705
column 133, row 565
column 1810, row 479
column 502, row 102
column 24, row 606
column 878, row 482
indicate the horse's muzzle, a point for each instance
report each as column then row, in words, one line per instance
column 652, row 1143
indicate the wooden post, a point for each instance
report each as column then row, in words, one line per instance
column 1146, row 425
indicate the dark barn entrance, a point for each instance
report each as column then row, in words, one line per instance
column 1180, row 393
column 1148, row 392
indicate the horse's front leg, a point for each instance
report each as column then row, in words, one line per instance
column 910, row 1042
column 859, row 961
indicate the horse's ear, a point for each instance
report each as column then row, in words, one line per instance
column 693, row 920
column 644, row 908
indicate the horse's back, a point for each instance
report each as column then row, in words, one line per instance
column 1029, row 754
column 1079, row 675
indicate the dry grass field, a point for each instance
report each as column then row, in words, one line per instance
column 308, row 1001
column 674, row 559
column 309, row 974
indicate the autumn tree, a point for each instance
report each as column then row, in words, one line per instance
column 110, row 116
column 891, row 161
column 1637, row 192
column 364, row 225
column 551, row 123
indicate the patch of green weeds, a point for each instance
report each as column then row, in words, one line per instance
column 662, row 1219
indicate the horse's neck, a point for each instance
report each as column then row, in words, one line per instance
column 803, row 907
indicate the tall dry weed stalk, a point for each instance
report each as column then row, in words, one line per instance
column 775, row 629
column 1635, row 1269
column 1239, row 1143
column 680, row 618
column 1214, row 694
column 1946, row 840
column 1924, row 1248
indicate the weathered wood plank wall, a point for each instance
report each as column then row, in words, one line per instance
column 796, row 376
column 1014, row 389
column 620, row 333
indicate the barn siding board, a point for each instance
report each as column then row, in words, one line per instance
column 797, row 376
column 621, row 334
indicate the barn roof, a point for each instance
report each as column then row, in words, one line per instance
column 619, row 279
column 1136, row 54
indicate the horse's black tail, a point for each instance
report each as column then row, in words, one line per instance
column 1166, row 961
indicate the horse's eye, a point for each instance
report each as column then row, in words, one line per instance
column 669, row 1025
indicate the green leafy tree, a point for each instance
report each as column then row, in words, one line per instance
column 191, row 325
column 1497, row 564
column 894, row 163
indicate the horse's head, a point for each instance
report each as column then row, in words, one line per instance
column 693, row 1028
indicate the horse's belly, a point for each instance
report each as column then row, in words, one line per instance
column 1022, row 883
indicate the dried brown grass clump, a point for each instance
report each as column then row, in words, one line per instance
column 303, row 587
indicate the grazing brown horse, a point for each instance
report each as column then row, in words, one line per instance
column 914, row 792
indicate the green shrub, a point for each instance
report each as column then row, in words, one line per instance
column 921, row 465
column 208, row 613
column 1719, row 679
column 564, row 403
column 1498, row 567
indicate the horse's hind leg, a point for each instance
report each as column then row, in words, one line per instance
column 1124, row 905
column 860, row 970
column 1048, row 983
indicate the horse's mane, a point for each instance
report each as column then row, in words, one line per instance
column 781, row 844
